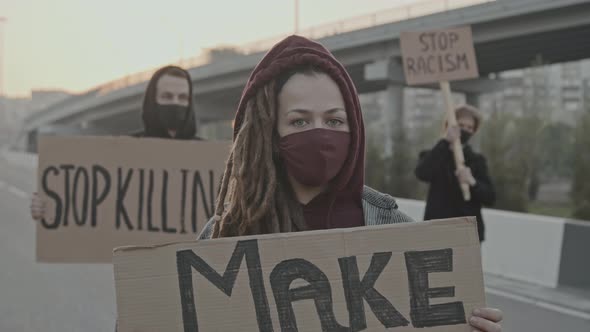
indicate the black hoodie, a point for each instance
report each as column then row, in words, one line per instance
column 151, row 121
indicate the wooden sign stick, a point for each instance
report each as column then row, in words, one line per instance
column 456, row 147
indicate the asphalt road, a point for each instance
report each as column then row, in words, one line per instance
column 44, row 297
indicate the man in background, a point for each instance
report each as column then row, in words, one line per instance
column 437, row 167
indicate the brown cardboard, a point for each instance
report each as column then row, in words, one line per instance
column 91, row 160
column 150, row 288
column 438, row 55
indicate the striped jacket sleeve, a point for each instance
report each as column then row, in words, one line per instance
column 381, row 209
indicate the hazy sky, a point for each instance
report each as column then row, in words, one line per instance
column 77, row 44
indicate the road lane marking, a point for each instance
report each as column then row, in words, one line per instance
column 16, row 191
column 541, row 304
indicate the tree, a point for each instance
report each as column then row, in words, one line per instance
column 403, row 182
column 537, row 109
column 556, row 151
column 581, row 170
column 516, row 144
column 376, row 165
column 506, row 162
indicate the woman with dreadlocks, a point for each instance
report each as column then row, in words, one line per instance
column 297, row 160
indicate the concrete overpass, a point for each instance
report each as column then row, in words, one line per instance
column 507, row 35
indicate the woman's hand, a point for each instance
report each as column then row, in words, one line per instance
column 465, row 176
column 486, row 320
column 453, row 133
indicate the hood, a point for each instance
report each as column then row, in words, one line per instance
column 151, row 121
column 296, row 51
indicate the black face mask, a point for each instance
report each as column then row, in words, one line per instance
column 172, row 116
column 465, row 136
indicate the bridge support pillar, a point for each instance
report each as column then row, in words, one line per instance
column 472, row 99
column 390, row 72
column 394, row 116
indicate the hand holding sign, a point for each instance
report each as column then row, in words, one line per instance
column 38, row 207
column 441, row 56
column 453, row 134
column 465, row 176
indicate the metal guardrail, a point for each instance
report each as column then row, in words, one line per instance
column 396, row 14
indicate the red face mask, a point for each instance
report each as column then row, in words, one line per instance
column 314, row 157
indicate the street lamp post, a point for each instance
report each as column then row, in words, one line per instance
column 2, row 21
column 296, row 16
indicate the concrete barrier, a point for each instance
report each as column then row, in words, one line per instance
column 523, row 246
column 22, row 159
column 574, row 270
column 518, row 246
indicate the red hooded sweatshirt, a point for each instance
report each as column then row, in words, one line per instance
column 341, row 206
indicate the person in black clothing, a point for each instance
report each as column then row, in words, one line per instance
column 167, row 110
column 437, row 167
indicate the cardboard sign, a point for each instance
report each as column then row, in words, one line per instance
column 410, row 277
column 106, row 192
column 440, row 55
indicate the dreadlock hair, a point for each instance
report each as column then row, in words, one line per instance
column 255, row 195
